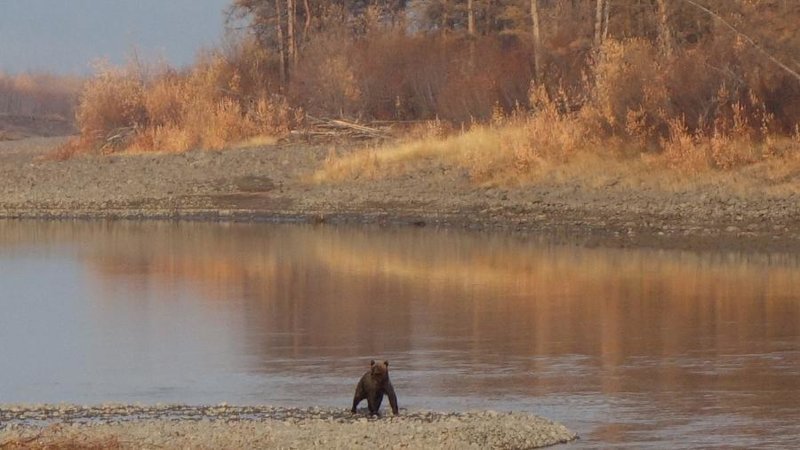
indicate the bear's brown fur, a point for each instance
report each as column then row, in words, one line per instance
column 373, row 385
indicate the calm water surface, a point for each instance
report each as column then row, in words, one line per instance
column 628, row 348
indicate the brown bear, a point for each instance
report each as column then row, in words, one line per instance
column 372, row 386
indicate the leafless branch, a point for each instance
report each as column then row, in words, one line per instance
column 747, row 38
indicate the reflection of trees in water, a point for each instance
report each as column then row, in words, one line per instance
column 473, row 304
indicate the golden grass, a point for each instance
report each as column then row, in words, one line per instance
column 558, row 146
column 261, row 140
column 548, row 149
column 517, row 151
column 71, row 148
column 395, row 159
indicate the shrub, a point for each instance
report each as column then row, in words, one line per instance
column 222, row 99
column 112, row 100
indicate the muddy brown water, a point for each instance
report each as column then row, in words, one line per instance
column 633, row 348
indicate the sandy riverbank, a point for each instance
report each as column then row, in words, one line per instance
column 223, row 426
column 270, row 184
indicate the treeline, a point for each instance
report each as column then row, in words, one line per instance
column 643, row 71
column 457, row 59
column 39, row 95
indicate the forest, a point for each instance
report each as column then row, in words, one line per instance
column 702, row 84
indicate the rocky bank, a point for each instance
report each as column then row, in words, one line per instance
column 224, row 426
column 270, row 183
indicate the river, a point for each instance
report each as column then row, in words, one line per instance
column 629, row 348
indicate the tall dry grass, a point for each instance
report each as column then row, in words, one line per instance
column 631, row 105
column 534, row 149
column 614, row 137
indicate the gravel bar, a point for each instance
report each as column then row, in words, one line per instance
column 225, row 426
column 271, row 184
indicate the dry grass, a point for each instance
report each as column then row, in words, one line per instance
column 556, row 149
column 71, row 148
column 255, row 141
column 373, row 163
column 491, row 154
column 621, row 128
column 511, row 150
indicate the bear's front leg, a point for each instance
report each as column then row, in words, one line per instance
column 392, row 399
column 359, row 395
column 374, row 404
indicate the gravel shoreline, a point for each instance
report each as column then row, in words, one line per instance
column 225, row 426
column 268, row 184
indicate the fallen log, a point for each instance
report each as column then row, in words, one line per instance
column 344, row 126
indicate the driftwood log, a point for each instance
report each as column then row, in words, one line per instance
column 117, row 138
column 317, row 126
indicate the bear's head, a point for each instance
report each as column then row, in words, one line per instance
column 379, row 370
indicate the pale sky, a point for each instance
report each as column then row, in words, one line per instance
column 65, row 36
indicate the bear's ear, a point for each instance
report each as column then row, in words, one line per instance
column 386, row 363
column 372, row 363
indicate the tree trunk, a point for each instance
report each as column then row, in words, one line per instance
column 598, row 24
column 281, row 43
column 664, row 33
column 290, row 19
column 537, row 41
column 471, row 32
column 470, row 18
column 490, row 17
column 307, row 24
column 445, row 6
column 606, row 17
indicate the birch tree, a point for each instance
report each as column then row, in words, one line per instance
column 537, row 41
